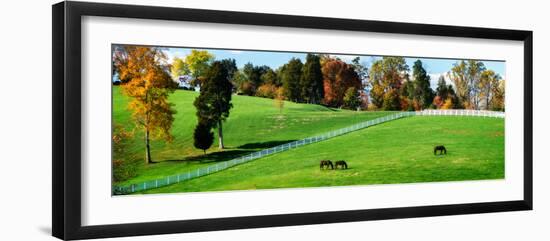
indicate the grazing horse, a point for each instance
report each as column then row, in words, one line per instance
column 341, row 163
column 326, row 163
column 441, row 150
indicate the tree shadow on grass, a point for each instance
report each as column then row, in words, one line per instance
column 218, row 156
column 228, row 154
column 262, row 145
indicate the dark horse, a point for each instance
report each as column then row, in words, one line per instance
column 341, row 163
column 326, row 163
column 441, row 150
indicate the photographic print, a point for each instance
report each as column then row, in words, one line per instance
column 202, row 119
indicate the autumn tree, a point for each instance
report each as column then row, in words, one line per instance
column 338, row 76
column 122, row 169
column 488, row 83
column 475, row 69
column 459, row 76
column 445, row 95
column 202, row 136
column 178, row 68
column 214, row 101
column 145, row 80
column 466, row 76
column 448, row 104
column 198, row 62
column 291, row 74
column 386, row 77
column 497, row 102
column 267, row 91
column 280, row 99
column 423, row 93
column 351, row 99
column 392, row 100
column 311, row 82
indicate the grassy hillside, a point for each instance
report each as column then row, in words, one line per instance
column 400, row 151
column 254, row 124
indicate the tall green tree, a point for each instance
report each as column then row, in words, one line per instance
column 214, row 101
column 291, row 74
column 144, row 79
column 202, row 136
column 441, row 89
column 423, row 93
column 231, row 66
column 254, row 76
column 270, row 77
column 311, row 81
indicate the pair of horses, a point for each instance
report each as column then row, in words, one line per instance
column 326, row 164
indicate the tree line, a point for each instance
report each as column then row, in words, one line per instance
column 387, row 84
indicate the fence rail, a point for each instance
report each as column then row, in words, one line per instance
column 220, row 166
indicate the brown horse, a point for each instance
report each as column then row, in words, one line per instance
column 441, row 150
column 341, row 163
column 326, row 163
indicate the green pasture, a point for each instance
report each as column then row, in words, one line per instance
column 399, row 151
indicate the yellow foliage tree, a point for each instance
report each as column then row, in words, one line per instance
column 144, row 77
column 280, row 99
column 448, row 104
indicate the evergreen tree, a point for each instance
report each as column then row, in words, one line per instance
column 442, row 89
column 290, row 77
column 422, row 91
column 311, row 81
column 202, row 136
column 214, row 102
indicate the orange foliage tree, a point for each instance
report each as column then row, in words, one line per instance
column 337, row 78
column 145, row 79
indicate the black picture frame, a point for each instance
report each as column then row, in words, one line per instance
column 66, row 128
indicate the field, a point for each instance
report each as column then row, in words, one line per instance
column 399, row 151
column 254, row 124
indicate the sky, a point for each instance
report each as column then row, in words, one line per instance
column 434, row 67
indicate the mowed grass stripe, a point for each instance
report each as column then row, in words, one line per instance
column 399, row 151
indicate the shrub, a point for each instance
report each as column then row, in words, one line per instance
column 122, row 168
column 267, row 91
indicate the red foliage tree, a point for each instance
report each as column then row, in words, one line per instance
column 337, row 78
